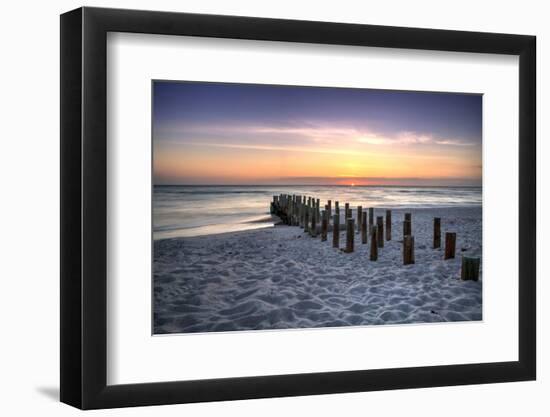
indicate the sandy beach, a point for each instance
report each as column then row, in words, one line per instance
column 280, row 278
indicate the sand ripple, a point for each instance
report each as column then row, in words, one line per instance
column 280, row 278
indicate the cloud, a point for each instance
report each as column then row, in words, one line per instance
column 453, row 142
column 338, row 151
column 374, row 140
column 305, row 133
column 410, row 138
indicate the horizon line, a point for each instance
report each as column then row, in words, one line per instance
column 318, row 185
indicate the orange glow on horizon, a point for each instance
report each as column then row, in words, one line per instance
column 247, row 166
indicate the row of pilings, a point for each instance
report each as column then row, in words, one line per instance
column 305, row 212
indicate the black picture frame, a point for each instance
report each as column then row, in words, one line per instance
column 84, row 207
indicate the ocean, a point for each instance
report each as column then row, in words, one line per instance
column 185, row 211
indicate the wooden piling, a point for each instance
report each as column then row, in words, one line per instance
column 304, row 209
column 306, row 217
column 347, row 213
column 329, row 204
column 407, row 229
column 371, row 217
column 374, row 245
column 380, row 231
column 437, row 232
column 301, row 213
column 450, row 244
column 359, row 218
column 313, row 230
column 388, row 224
column 336, row 230
column 364, row 235
column 324, row 225
column 350, row 226
column 297, row 212
column 408, row 217
column 470, row 269
column 291, row 211
column 408, row 250
column 318, row 206
column 294, row 210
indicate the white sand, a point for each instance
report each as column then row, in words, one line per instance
column 280, row 278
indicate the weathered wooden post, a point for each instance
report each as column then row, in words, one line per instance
column 350, row 226
column 336, row 230
column 306, row 215
column 374, row 244
column 408, row 250
column 283, row 209
column 298, row 211
column 380, row 231
column 295, row 210
column 329, row 203
column 313, row 230
column 364, row 234
column 324, row 225
column 450, row 244
column 318, row 205
column 347, row 213
column 470, row 269
column 388, row 224
column 371, row 219
column 437, row 232
column 301, row 214
column 297, row 205
column 408, row 217
column 304, row 210
column 359, row 218
column 407, row 229
column 291, row 211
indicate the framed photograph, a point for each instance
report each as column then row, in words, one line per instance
column 257, row 208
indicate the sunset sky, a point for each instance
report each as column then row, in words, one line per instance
column 214, row 133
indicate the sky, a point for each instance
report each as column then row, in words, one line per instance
column 253, row 134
